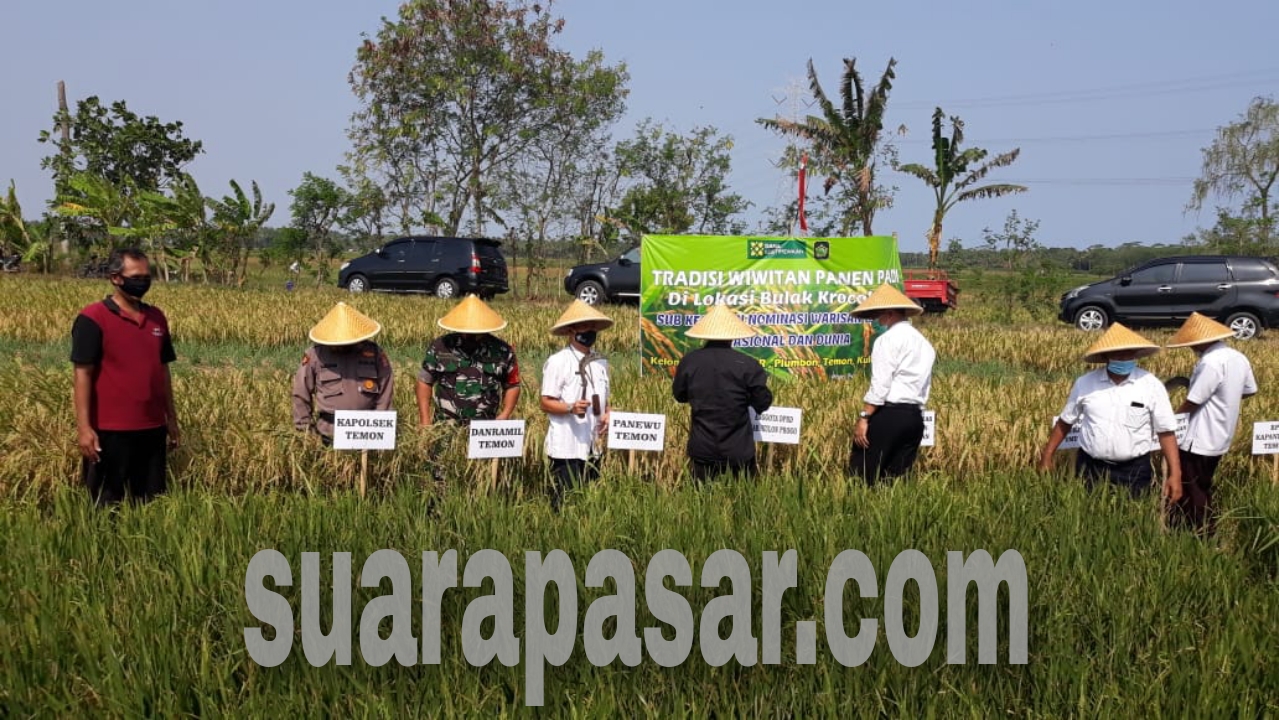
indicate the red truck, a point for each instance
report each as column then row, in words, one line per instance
column 932, row 289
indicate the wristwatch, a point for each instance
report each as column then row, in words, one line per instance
column 863, row 415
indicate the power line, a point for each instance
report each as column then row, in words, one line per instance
column 1160, row 87
column 1166, row 181
column 1072, row 138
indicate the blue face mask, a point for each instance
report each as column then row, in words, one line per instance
column 1121, row 367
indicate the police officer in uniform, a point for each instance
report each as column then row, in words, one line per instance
column 343, row 370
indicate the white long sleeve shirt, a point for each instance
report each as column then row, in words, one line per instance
column 1218, row 384
column 1118, row 422
column 901, row 367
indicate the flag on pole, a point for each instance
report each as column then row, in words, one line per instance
column 803, row 167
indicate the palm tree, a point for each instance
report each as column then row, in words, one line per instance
column 949, row 164
column 845, row 141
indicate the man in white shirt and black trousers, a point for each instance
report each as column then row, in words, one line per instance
column 1123, row 414
column 1222, row 378
column 891, row 424
column 575, row 389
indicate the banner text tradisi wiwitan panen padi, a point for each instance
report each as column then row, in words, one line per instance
column 797, row 292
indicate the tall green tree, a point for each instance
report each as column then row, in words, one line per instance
column 1017, row 238
column 954, row 175
column 677, row 183
column 134, row 153
column 454, row 90
column 318, row 204
column 846, row 142
column 1243, row 160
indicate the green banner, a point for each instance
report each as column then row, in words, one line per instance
column 797, row 292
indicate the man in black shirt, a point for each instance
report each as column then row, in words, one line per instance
column 720, row 384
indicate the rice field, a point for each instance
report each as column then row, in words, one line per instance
column 142, row 612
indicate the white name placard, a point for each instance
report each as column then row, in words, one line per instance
column 636, row 431
column 364, row 430
column 1072, row 438
column 495, row 439
column 930, row 429
column 1265, row 438
column 777, row 425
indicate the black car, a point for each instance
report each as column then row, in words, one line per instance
column 607, row 281
column 1240, row 291
column 445, row 266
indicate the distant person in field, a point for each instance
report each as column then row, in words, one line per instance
column 721, row 386
column 125, row 417
column 575, row 388
column 890, row 426
column 468, row 374
column 343, row 370
column 1119, row 410
column 1222, row 378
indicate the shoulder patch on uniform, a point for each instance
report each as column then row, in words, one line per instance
column 306, row 358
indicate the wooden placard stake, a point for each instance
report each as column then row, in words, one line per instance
column 364, row 471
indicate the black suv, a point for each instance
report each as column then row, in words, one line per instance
column 1242, row 292
column 606, row 281
column 445, row 266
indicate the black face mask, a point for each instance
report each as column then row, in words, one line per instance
column 135, row 287
column 587, row 338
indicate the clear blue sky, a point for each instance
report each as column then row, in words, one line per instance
column 1110, row 103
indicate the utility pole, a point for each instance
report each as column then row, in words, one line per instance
column 64, row 114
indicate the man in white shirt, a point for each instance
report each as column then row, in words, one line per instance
column 887, row 435
column 1222, row 378
column 575, row 389
column 1119, row 410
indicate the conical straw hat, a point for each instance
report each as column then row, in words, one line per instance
column 344, row 325
column 1119, row 338
column 576, row 313
column 721, row 323
column 887, row 297
column 472, row 316
column 1199, row 330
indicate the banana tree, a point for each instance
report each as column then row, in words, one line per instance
column 237, row 221
column 951, row 180
column 845, row 142
column 101, row 202
column 30, row 242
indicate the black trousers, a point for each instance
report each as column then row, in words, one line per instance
column 704, row 470
column 130, row 460
column 567, row 474
column 894, row 432
column 1195, row 510
column 1135, row 474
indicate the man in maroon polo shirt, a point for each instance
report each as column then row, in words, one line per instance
column 123, row 391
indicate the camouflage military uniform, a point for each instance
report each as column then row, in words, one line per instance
column 331, row 379
column 469, row 383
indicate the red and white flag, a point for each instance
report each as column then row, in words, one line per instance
column 803, row 168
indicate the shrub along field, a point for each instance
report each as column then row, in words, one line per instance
column 143, row 611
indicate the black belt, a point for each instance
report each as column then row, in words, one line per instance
column 911, row 406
